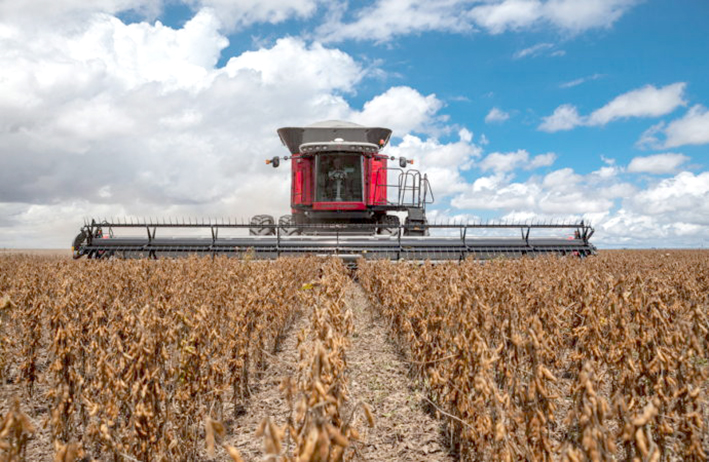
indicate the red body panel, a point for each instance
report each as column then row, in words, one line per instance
column 301, row 181
column 378, row 181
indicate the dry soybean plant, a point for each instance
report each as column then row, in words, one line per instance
column 540, row 359
column 133, row 357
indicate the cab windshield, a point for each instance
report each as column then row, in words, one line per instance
column 339, row 178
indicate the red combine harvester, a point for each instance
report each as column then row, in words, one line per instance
column 340, row 177
column 346, row 200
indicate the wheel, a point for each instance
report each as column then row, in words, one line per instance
column 287, row 225
column 77, row 252
column 262, row 225
column 389, row 225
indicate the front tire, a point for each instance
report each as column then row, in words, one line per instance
column 262, row 225
column 287, row 225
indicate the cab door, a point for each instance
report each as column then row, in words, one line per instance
column 301, row 181
column 378, row 181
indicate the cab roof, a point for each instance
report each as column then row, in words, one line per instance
column 330, row 130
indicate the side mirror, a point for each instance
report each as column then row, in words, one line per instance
column 276, row 161
column 403, row 161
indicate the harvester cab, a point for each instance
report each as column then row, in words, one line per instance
column 342, row 183
column 347, row 199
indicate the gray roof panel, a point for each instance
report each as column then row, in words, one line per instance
column 327, row 131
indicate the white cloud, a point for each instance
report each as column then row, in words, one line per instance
column 579, row 15
column 401, row 17
column 658, row 164
column 274, row 67
column 232, row 14
column 497, row 17
column 242, row 13
column 29, row 11
column 565, row 117
column 683, row 198
column 496, row 193
column 579, row 81
column 533, row 50
column 402, row 109
column 692, row 128
column 647, row 101
column 442, row 162
column 542, row 160
column 673, row 212
column 113, row 119
column 496, row 115
column 508, row 162
column 395, row 18
column 500, row 162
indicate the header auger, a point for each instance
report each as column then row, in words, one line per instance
column 345, row 201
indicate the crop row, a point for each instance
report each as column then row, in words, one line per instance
column 596, row 359
column 131, row 358
column 321, row 425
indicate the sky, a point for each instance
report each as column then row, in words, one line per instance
column 518, row 110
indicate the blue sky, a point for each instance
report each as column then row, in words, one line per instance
column 519, row 109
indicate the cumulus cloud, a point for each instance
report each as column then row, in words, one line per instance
column 496, row 115
column 648, row 101
column 29, row 11
column 443, row 163
column 394, row 18
column 114, row 119
column 692, row 128
column 672, row 212
column 498, row 17
column 559, row 194
column 682, row 198
column 273, row 67
column 232, row 14
column 135, row 119
column 245, row 12
column 555, row 193
column 402, row 109
column 658, row 164
column 508, row 162
column 579, row 15
column 401, row 17
column 565, row 117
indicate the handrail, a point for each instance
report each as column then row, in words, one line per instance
column 409, row 187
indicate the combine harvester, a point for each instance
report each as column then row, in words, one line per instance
column 346, row 200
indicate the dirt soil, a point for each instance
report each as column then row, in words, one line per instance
column 403, row 430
